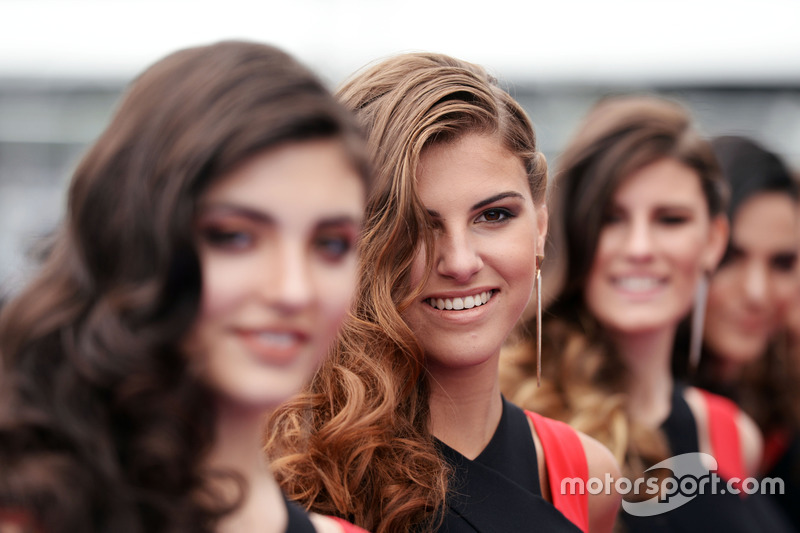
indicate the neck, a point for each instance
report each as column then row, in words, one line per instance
column 465, row 406
column 725, row 371
column 237, row 448
column 647, row 357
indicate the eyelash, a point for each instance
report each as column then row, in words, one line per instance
column 227, row 239
column 505, row 214
column 784, row 263
column 673, row 220
column 333, row 248
column 668, row 220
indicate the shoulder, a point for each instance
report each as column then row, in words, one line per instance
column 603, row 507
column 750, row 438
column 599, row 463
column 330, row 524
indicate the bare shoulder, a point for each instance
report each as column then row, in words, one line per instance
column 326, row 524
column 752, row 443
column 750, row 438
column 603, row 507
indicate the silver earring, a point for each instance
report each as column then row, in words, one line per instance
column 698, row 320
column 539, row 259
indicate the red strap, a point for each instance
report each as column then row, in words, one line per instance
column 564, row 458
column 723, row 431
column 347, row 527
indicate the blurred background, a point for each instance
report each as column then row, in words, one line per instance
column 64, row 64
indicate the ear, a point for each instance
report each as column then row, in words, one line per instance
column 717, row 242
column 541, row 226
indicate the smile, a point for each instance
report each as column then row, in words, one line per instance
column 458, row 304
column 638, row 283
column 274, row 346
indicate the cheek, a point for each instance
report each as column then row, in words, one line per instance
column 223, row 287
column 417, row 267
column 720, row 293
column 335, row 289
column 784, row 290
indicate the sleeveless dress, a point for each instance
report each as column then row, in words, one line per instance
column 299, row 522
column 710, row 512
column 499, row 491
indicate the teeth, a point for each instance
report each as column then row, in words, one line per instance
column 460, row 303
column 278, row 339
column 638, row 284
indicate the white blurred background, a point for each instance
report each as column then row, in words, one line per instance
column 63, row 64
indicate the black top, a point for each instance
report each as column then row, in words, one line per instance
column 788, row 469
column 299, row 522
column 707, row 512
column 499, row 490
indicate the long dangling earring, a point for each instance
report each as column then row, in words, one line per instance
column 698, row 320
column 539, row 259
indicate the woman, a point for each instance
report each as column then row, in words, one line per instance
column 204, row 265
column 745, row 356
column 639, row 220
column 404, row 427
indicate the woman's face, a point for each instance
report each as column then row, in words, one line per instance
column 487, row 232
column 276, row 239
column 657, row 239
column 751, row 290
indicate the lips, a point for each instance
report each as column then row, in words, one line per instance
column 460, row 303
column 638, row 284
column 274, row 346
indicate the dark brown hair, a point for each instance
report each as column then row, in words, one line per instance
column 768, row 390
column 102, row 425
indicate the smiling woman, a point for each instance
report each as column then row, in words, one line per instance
column 206, row 261
column 404, row 427
column 638, row 223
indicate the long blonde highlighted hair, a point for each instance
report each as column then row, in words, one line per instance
column 585, row 378
column 356, row 443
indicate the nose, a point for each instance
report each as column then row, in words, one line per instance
column 457, row 256
column 289, row 288
column 756, row 284
column 639, row 241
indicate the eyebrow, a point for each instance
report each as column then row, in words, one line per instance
column 487, row 201
column 264, row 218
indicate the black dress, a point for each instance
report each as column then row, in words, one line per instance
column 499, row 490
column 299, row 522
column 707, row 512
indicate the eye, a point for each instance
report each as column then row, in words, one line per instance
column 784, row 262
column 495, row 215
column 333, row 248
column 731, row 254
column 229, row 239
column 673, row 220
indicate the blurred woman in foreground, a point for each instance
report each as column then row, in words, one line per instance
column 205, row 263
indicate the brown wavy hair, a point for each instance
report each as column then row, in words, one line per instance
column 103, row 427
column 357, row 443
column 584, row 375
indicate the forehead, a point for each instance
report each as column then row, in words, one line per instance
column 475, row 165
column 297, row 180
column 767, row 221
column 666, row 181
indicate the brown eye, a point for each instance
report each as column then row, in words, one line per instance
column 784, row 262
column 495, row 215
